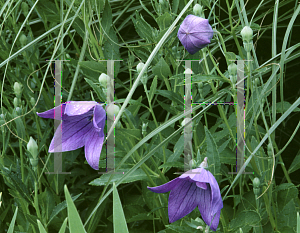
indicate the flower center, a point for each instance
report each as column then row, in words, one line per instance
column 90, row 118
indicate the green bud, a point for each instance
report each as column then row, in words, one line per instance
column 34, row 162
column 2, row 119
column 186, row 121
column 144, row 129
column 18, row 111
column 198, row 10
column 24, row 7
column 23, row 40
column 232, row 69
column 103, row 80
column 256, row 184
column 139, row 67
column 113, row 110
column 17, row 102
column 164, row 4
column 257, row 81
column 32, row 147
column 32, row 101
column 18, row 89
column 247, row 34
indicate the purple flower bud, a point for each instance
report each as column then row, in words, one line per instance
column 195, row 33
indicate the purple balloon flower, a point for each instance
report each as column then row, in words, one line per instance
column 82, row 125
column 194, row 33
column 197, row 187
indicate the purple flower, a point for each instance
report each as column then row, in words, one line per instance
column 197, row 187
column 82, row 125
column 194, row 33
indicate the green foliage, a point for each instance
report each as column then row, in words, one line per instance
column 86, row 33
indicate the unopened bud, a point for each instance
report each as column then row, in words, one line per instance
column 32, row 101
column 103, row 80
column 18, row 89
column 232, row 69
column 256, row 184
column 32, row 147
column 198, row 10
column 139, row 67
column 247, row 34
column 24, row 7
column 17, row 102
column 257, row 81
column 144, row 129
column 204, row 163
column 113, row 110
column 23, row 40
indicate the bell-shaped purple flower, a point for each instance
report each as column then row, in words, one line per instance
column 197, row 187
column 82, row 125
column 194, row 33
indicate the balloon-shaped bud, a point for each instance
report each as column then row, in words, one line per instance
column 32, row 147
column 247, row 34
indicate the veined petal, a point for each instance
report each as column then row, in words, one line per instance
column 165, row 187
column 51, row 113
column 74, row 108
column 99, row 118
column 204, row 204
column 93, row 147
column 182, row 200
column 71, row 133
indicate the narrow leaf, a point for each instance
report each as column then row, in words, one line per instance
column 12, row 223
column 120, row 225
column 75, row 223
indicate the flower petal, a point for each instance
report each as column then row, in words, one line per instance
column 99, row 118
column 182, row 199
column 51, row 113
column 71, row 133
column 165, row 187
column 93, row 147
column 74, row 108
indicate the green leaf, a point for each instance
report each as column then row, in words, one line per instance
column 295, row 164
column 138, row 174
column 244, row 219
column 288, row 216
column 169, row 108
column 130, row 133
column 153, row 88
column 230, row 56
column 75, row 223
column 161, row 69
column 60, row 207
column 120, row 225
column 172, row 164
column 41, row 228
column 98, row 67
column 78, row 25
column 96, row 89
column 285, row 192
column 111, row 50
column 106, row 19
column 171, row 96
column 63, row 226
column 285, row 105
column 12, row 223
column 212, row 155
column 142, row 27
column 199, row 78
column 164, row 21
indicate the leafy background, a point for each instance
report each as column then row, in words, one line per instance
column 149, row 155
